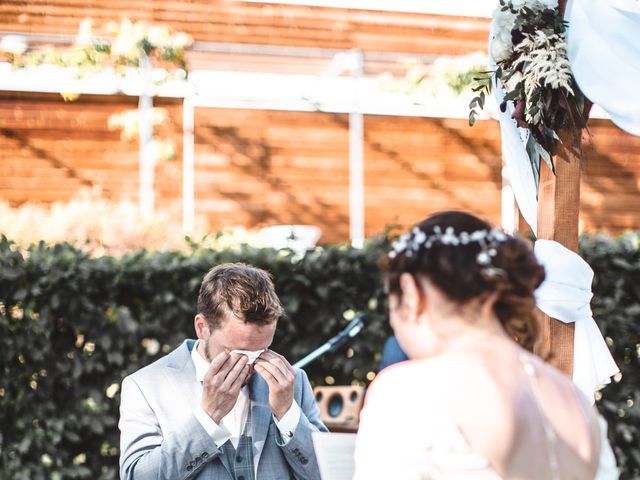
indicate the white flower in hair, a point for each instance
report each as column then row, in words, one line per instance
column 498, row 235
column 494, row 272
column 478, row 235
column 449, row 237
column 411, row 243
column 419, row 237
column 483, row 258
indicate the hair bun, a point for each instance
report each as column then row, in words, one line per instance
column 515, row 305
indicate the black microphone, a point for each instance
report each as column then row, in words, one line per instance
column 354, row 327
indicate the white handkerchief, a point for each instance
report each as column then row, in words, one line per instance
column 252, row 355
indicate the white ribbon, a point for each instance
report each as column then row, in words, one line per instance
column 565, row 295
column 604, row 53
column 516, row 160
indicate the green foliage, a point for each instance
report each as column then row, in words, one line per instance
column 481, row 89
column 72, row 326
column 616, row 307
column 459, row 81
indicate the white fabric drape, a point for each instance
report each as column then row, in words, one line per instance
column 604, row 53
column 516, row 160
column 566, row 295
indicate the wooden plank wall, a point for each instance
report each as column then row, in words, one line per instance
column 49, row 149
column 258, row 168
column 235, row 22
column 232, row 21
column 610, row 189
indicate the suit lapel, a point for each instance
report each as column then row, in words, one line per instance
column 181, row 375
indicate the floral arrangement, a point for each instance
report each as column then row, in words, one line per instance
column 530, row 52
column 446, row 76
column 134, row 41
column 119, row 46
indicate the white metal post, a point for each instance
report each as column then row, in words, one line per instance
column 147, row 155
column 509, row 208
column 356, row 159
column 188, row 167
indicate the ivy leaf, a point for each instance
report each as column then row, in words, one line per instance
column 534, row 159
column 545, row 156
column 512, row 95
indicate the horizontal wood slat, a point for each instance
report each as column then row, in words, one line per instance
column 249, row 23
column 256, row 168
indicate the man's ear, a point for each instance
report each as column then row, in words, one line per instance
column 201, row 326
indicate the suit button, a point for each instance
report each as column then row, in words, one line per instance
column 205, row 455
column 238, row 459
column 241, row 477
column 304, row 461
column 197, row 460
column 189, row 467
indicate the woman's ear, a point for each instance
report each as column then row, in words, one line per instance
column 411, row 296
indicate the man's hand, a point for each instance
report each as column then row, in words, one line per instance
column 280, row 377
column 222, row 384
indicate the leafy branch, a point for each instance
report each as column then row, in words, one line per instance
column 482, row 89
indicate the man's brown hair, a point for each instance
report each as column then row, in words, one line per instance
column 245, row 291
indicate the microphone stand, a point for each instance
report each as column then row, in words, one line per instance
column 351, row 330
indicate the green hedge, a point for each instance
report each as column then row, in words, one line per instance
column 72, row 326
column 616, row 308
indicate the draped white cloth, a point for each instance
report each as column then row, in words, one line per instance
column 516, row 160
column 604, row 53
column 566, row 295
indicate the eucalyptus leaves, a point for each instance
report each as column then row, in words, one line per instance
column 529, row 49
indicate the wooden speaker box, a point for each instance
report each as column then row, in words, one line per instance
column 340, row 406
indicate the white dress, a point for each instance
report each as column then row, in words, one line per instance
column 405, row 435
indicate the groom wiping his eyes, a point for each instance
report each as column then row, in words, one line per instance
column 223, row 406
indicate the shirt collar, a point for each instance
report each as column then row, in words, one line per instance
column 199, row 363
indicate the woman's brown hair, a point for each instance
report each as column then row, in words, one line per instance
column 513, row 274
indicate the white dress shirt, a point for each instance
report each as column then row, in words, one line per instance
column 231, row 426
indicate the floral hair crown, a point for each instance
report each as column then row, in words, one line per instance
column 410, row 243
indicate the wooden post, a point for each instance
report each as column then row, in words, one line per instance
column 558, row 211
column 558, row 216
column 188, row 167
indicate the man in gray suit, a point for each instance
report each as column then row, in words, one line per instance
column 207, row 410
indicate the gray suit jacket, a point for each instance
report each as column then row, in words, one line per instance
column 162, row 439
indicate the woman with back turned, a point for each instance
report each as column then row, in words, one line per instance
column 473, row 402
